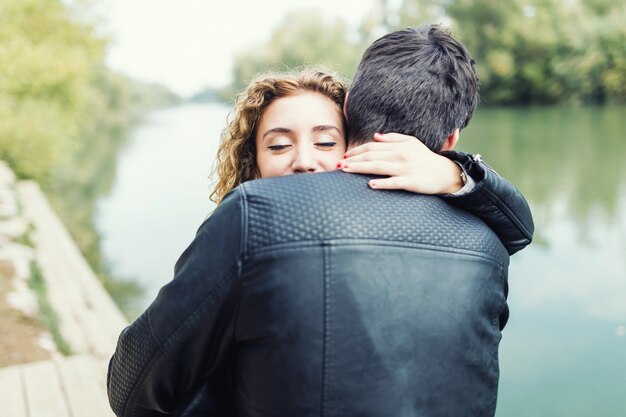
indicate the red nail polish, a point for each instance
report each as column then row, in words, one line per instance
column 345, row 156
column 338, row 164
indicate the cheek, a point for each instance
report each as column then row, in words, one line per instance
column 272, row 165
column 262, row 164
column 328, row 160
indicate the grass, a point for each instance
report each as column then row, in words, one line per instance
column 26, row 237
column 47, row 315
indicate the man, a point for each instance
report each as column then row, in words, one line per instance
column 320, row 296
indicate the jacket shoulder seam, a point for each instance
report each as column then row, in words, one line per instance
column 291, row 245
column 244, row 221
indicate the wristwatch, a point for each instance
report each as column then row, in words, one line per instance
column 463, row 174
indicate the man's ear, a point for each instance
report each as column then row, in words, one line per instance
column 345, row 106
column 451, row 141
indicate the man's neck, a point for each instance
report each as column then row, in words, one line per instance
column 353, row 143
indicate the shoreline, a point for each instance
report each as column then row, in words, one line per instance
column 60, row 326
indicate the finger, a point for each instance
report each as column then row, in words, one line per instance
column 370, row 167
column 391, row 183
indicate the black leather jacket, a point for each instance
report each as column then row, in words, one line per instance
column 323, row 297
column 495, row 201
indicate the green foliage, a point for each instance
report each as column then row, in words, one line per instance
column 90, row 171
column 47, row 62
column 541, row 51
column 47, row 315
column 26, row 238
column 63, row 114
column 54, row 87
column 527, row 52
column 303, row 39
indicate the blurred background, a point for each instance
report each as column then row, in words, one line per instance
column 115, row 108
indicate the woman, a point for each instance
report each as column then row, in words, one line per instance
column 247, row 153
column 293, row 123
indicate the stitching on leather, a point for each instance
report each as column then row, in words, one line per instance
column 290, row 246
column 211, row 296
column 144, row 374
column 244, row 250
column 331, row 308
column 244, row 221
column 327, row 318
column 148, row 369
column 504, row 283
column 162, row 348
column 494, row 355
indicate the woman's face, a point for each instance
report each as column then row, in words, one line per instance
column 299, row 134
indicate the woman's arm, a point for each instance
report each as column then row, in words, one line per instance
column 409, row 165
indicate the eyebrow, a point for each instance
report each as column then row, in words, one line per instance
column 322, row 128
column 318, row 128
column 276, row 130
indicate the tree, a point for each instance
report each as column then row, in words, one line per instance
column 541, row 51
column 47, row 62
column 304, row 38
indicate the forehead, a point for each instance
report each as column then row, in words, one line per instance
column 305, row 108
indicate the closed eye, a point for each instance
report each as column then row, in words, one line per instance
column 326, row 144
column 277, row 147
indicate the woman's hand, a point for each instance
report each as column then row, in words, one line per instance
column 410, row 165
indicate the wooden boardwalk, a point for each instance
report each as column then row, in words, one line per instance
column 90, row 322
column 71, row 386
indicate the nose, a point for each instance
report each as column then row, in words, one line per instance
column 304, row 161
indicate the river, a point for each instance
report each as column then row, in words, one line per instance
column 563, row 352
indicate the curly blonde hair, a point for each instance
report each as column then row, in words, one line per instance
column 236, row 155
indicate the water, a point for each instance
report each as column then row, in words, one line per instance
column 563, row 352
column 161, row 193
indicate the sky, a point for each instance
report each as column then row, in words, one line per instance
column 190, row 44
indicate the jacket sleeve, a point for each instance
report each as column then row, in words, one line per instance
column 178, row 343
column 494, row 200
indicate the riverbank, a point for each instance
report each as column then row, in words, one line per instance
column 59, row 325
column 25, row 336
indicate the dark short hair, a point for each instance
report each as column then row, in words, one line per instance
column 416, row 81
